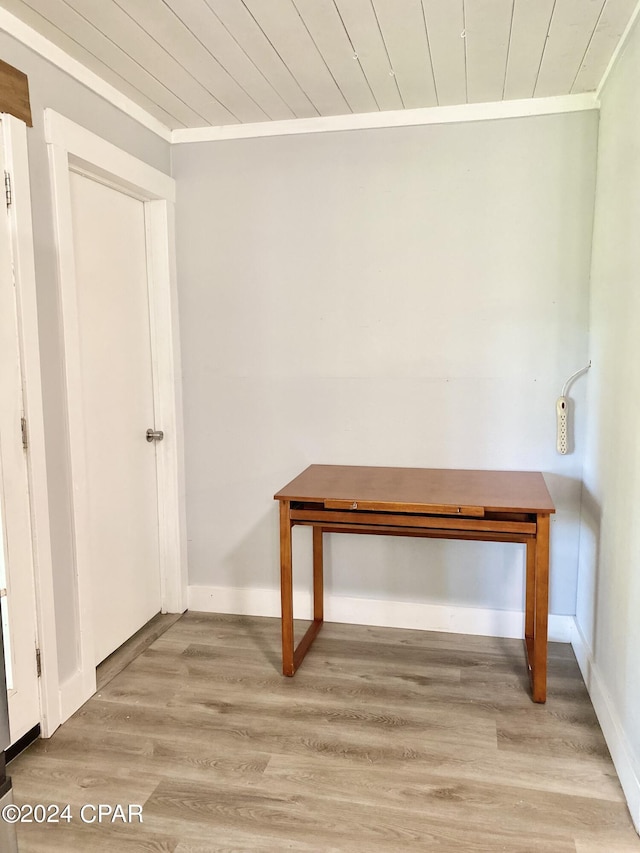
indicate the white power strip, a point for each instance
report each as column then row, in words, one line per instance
column 562, row 414
column 562, row 432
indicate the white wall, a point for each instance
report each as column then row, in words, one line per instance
column 608, row 607
column 50, row 87
column 408, row 296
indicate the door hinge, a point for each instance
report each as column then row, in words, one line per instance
column 39, row 662
column 7, row 188
column 25, row 434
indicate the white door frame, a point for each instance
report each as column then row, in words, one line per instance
column 72, row 147
column 21, row 232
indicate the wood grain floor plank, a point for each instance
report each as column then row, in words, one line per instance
column 623, row 842
column 385, row 741
column 555, row 741
column 153, row 757
column 252, row 845
column 555, row 776
column 354, row 742
column 440, row 796
column 77, row 784
column 129, row 651
column 298, row 816
column 93, row 839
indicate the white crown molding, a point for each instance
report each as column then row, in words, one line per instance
column 392, row 118
column 633, row 20
column 52, row 53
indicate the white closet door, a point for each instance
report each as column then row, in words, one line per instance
column 117, row 404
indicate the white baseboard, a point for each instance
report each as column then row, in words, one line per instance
column 626, row 763
column 253, row 601
column 74, row 692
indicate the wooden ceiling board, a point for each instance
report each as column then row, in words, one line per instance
column 62, row 25
column 166, row 28
column 211, row 63
column 405, row 35
column 285, row 29
column 243, row 27
column 572, row 26
column 332, row 40
column 531, row 22
column 445, row 23
column 123, row 30
column 487, row 34
column 360, row 20
column 615, row 16
column 201, row 20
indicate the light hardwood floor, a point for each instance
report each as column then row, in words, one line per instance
column 385, row 740
column 133, row 648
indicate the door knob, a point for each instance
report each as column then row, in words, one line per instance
column 155, row 435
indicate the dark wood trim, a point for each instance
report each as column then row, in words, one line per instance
column 22, row 743
column 3, row 775
column 14, row 93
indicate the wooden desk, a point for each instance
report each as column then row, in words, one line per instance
column 492, row 506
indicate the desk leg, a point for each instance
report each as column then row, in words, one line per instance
column 537, row 608
column 318, row 583
column 292, row 657
column 286, row 588
column 530, row 594
column 539, row 663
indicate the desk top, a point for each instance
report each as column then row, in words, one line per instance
column 438, row 490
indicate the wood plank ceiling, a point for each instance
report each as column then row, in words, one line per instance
column 195, row 63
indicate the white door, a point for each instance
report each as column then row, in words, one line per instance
column 16, row 554
column 117, row 409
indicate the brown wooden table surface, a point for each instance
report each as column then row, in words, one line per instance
column 496, row 506
column 515, row 491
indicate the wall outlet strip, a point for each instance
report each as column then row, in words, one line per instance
column 562, row 434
